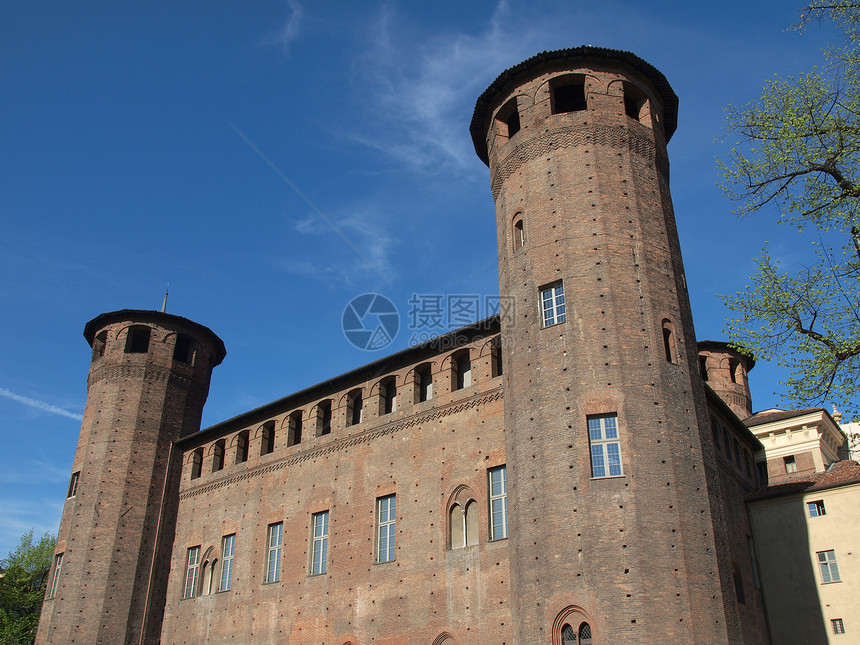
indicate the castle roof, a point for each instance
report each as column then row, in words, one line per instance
column 769, row 416
column 510, row 75
column 156, row 318
column 724, row 347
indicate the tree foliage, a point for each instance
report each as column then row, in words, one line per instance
column 22, row 588
column 798, row 150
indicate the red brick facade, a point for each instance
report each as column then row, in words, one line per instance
column 621, row 521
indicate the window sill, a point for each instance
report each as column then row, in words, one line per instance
column 599, row 479
column 832, row 582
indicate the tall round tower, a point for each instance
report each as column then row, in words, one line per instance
column 611, row 480
column 148, row 381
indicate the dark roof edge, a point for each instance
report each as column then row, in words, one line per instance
column 446, row 342
column 715, row 398
column 156, row 317
column 482, row 106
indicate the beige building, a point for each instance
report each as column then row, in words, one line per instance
column 805, row 524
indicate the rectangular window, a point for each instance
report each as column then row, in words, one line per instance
column 498, row 503
column 73, row 484
column 838, row 626
column 827, row 566
column 552, row 305
column 385, row 521
column 192, row 565
column 605, row 446
column 790, row 464
column 816, row 508
column 319, row 543
column 228, row 545
column 55, row 579
column 274, row 540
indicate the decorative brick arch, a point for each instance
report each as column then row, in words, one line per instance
column 446, row 638
column 572, row 615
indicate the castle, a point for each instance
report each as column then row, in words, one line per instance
column 559, row 473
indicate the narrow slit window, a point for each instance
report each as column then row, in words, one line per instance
column 294, row 436
column 424, row 383
column 267, row 436
column 218, row 456
column 462, row 365
column 669, row 346
column 242, row 441
column 703, row 367
column 355, row 408
column 196, row 463
column 496, row 357
column 519, row 234
column 324, row 418
column 73, row 484
column 388, row 396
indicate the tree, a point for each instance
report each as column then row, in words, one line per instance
column 22, row 588
column 798, row 149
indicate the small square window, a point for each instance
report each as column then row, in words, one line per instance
column 552, row 305
column 838, row 626
column 790, row 464
column 816, row 508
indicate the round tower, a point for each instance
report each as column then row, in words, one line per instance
column 147, row 384
column 610, row 478
column 725, row 370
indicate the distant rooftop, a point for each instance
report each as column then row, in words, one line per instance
column 839, row 473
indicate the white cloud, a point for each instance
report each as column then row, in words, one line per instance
column 289, row 31
column 40, row 405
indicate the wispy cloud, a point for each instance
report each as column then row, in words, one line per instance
column 39, row 405
column 288, row 31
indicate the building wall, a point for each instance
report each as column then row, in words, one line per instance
column 429, row 454
column 800, row 607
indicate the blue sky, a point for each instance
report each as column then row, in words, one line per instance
column 272, row 160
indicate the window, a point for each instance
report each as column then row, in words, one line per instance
column 837, row 625
column 192, row 564
column 498, row 503
column 827, row 566
column 319, row 546
column 790, row 464
column 605, row 446
column 99, row 343
column 496, row 357
column 463, row 525
column 462, row 365
column 734, row 370
column 737, row 451
column 728, row 444
column 196, row 463
column 519, row 233
column 324, row 418
column 816, row 508
column 669, row 342
column 552, row 305
column 761, row 467
column 73, row 484
column 182, row 349
column 55, row 579
column 748, row 463
column 228, row 546
column 137, row 340
column 385, row 520
column 585, row 634
column 388, row 396
column 571, row 636
column 218, row 456
column 274, row 539
column 568, row 94
column 267, row 438
column 243, row 440
column 294, row 433
column 634, row 102
column 424, row 381
column 508, row 119
column 715, row 431
column 354, row 408
column 568, row 636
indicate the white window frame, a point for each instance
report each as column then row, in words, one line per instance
column 552, row 305
column 816, row 508
column 386, row 516
column 319, row 543
column 192, row 568
column 228, row 550
column 55, row 578
column 274, row 543
column 604, row 444
column 73, row 484
column 837, row 625
column 498, row 487
column 827, row 567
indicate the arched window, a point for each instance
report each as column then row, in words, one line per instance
column 242, row 441
column 196, row 463
column 471, row 523
column 519, row 234
column 457, row 524
column 496, row 356
column 423, row 383
column 137, row 340
column 267, row 436
column 99, row 343
column 354, row 408
column 508, row 119
column 461, row 367
column 218, row 456
column 183, row 350
column 388, row 396
column 669, row 341
column 635, row 103
column 568, row 635
column 294, row 431
column 567, row 93
column 703, row 367
column 585, row 634
column 324, row 418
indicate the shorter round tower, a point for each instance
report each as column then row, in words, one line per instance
column 725, row 370
column 148, row 381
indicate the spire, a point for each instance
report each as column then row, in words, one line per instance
column 164, row 304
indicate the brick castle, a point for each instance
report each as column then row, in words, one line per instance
column 548, row 475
